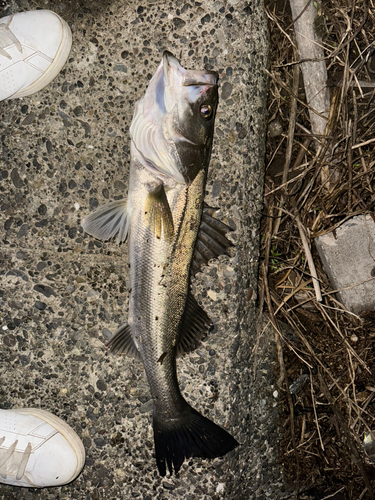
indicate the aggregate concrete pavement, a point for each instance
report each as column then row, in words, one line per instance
column 64, row 151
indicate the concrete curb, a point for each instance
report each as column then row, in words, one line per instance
column 64, row 152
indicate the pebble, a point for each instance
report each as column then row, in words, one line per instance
column 226, row 90
column 46, row 290
column 40, row 305
column 16, row 179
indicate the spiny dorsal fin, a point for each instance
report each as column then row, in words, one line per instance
column 122, row 342
column 108, row 220
column 194, row 327
column 158, row 214
column 211, row 240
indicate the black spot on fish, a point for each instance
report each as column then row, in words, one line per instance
column 162, row 357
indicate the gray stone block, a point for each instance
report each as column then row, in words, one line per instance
column 348, row 257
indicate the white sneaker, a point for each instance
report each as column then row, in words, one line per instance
column 38, row 449
column 34, row 46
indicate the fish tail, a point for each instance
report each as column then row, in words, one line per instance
column 191, row 435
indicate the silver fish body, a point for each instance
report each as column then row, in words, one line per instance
column 171, row 131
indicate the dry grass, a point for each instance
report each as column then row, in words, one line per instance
column 313, row 184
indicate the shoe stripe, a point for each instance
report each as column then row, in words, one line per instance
column 43, row 439
column 37, row 53
column 34, row 53
column 29, row 63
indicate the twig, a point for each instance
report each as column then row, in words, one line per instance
column 333, row 494
column 338, row 224
column 364, row 166
column 275, row 20
column 350, row 166
column 315, row 414
column 362, row 494
column 300, row 101
column 292, row 124
column 290, row 140
column 282, row 186
column 363, row 144
column 362, row 84
column 309, row 258
column 332, row 292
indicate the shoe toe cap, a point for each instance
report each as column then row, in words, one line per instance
column 58, row 464
column 41, row 30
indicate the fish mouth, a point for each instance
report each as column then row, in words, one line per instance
column 190, row 78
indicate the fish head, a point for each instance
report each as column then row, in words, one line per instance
column 173, row 124
column 192, row 97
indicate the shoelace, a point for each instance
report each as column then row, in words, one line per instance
column 5, row 456
column 6, row 36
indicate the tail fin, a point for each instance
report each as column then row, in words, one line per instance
column 193, row 435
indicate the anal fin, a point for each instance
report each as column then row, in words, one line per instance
column 122, row 342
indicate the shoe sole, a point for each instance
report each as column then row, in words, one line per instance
column 55, row 67
column 65, row 430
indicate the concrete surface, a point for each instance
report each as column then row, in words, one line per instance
column 348, row 257
column 63, row 152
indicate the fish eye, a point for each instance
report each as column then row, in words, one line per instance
column 206, row 111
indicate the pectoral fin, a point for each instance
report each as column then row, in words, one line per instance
column 194, row 326
column 211, row 240
column 158, row 214
column 109, row 220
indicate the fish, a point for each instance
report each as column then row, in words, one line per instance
column 171, row 235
